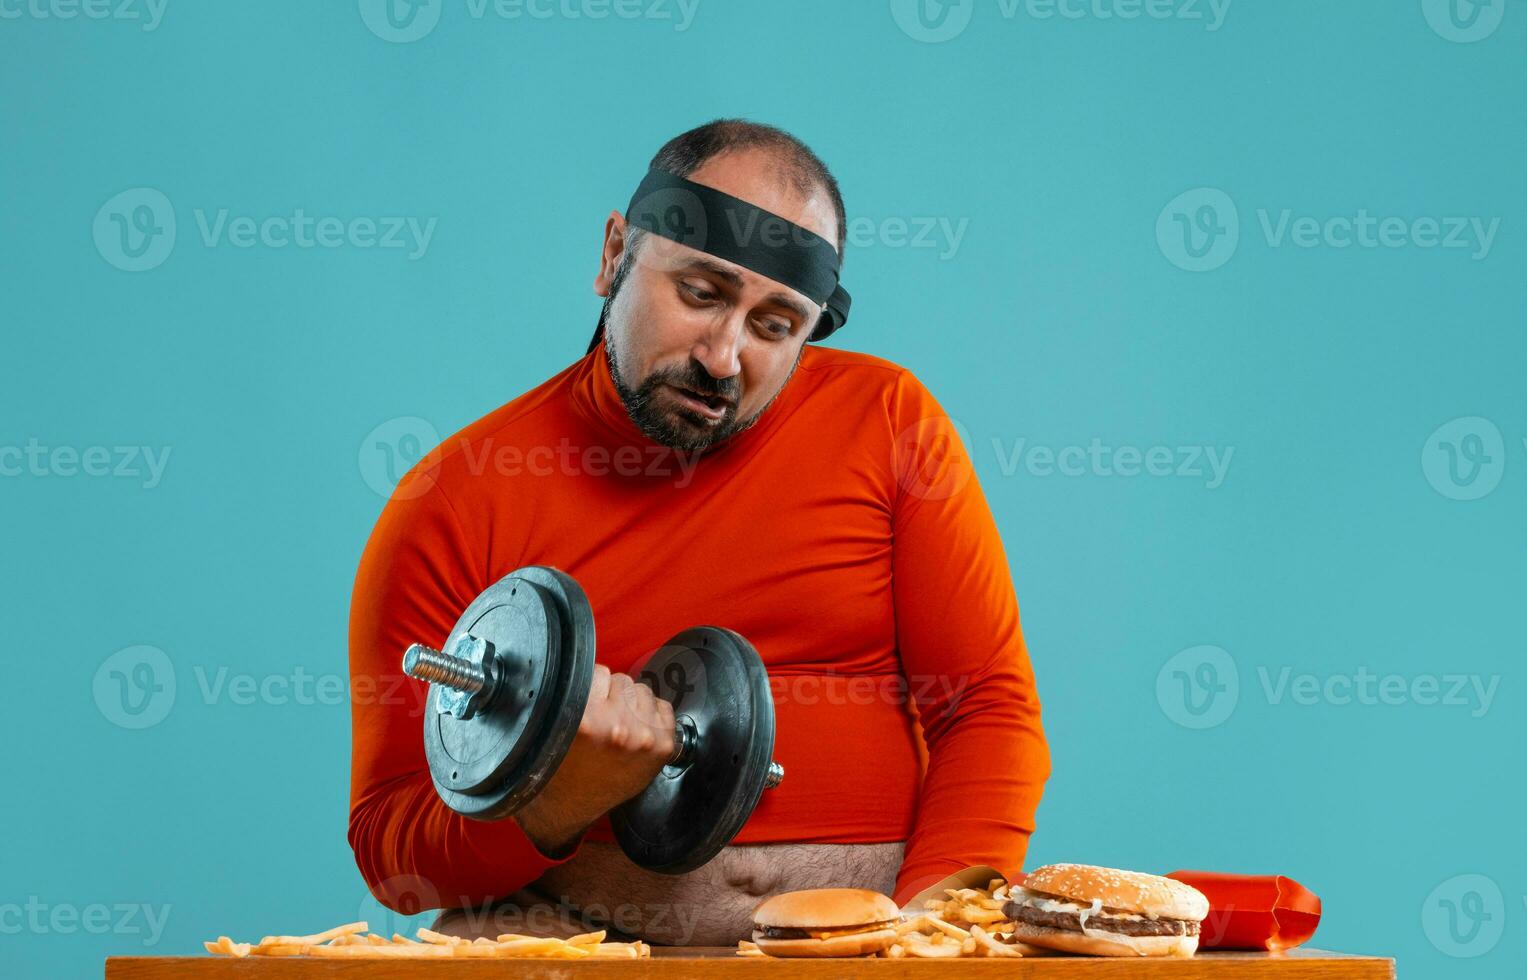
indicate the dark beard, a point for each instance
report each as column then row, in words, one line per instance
column 652, row 417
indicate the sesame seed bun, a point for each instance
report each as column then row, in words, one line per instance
column 1102, row 944
column 1128, row 891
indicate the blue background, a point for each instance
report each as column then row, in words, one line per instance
column 1334, row 543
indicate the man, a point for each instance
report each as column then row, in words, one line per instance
column 703, row 464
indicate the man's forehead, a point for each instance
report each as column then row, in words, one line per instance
column 759, row 177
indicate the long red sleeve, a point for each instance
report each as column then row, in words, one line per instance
column 417, row 574
column 844, row 535
column 967, row 666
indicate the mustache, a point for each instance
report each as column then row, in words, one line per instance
column 698, row 380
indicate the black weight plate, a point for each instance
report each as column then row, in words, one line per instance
column 524, row 629
column 687, row 815
column 565, row 695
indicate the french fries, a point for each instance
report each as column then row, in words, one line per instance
column 968, row 922
column 355, row 941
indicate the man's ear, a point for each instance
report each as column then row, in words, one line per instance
column 609, row 259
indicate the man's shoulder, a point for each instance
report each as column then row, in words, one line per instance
column 825, row 364
column 523, row 421
column 851, row 374
column 868, row 366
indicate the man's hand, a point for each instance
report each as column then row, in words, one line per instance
column 625, row 738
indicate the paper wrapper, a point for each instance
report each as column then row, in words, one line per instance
column 977, row 877
column 1268, row 912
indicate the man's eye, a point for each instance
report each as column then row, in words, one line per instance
column 777, row 328
column 702, row 295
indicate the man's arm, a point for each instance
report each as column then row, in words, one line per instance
column 415, row 578
column 963, row 652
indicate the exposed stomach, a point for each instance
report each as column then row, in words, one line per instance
column 712, row 905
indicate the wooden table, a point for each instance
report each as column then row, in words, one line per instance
column 1298, row 964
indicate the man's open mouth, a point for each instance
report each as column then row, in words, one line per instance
column 710, row 406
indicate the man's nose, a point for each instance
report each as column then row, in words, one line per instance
column 719, row 349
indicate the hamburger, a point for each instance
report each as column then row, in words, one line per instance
column 825, row 922
column 1079, row 908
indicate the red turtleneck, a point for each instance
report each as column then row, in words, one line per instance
column 844, row 535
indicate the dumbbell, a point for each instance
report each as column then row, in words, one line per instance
column 509, row 690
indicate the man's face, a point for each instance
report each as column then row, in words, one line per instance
column 699, row 346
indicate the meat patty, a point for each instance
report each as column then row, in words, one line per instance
column 780, row 932
column 1107, row 923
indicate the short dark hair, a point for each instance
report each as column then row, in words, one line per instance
column 687, row 152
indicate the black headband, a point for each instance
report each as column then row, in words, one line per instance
column 730, row 228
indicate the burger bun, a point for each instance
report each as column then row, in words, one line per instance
column 1131, row 891
column 1099, row 944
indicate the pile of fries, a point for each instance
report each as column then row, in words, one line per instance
column 969, row 922
column 354, row 940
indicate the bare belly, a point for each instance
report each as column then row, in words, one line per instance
column 710, row 906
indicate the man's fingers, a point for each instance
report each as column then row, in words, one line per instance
column 599, row 689
column 595, row 710
column 620, row 688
